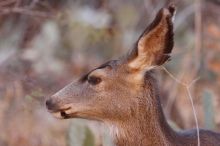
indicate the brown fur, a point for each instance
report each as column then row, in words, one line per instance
column 124, row 94
column 162, row 25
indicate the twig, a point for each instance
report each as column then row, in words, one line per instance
column 187, row 86
column 194, row 81
column 172, row 95
column 172, row 76
column 194, row 113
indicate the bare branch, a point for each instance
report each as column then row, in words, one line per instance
column 187, row 86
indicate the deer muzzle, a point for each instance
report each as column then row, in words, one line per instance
column 61, row 112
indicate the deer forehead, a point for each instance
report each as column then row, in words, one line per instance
column 98, row 72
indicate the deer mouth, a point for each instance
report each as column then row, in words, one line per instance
column 65, row 115
column 62, row 113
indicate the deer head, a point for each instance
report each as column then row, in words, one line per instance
column 119, row 89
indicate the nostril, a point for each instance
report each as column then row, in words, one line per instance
column 49, row 103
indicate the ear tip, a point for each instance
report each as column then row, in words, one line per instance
column 172, row 9
column 169, row 11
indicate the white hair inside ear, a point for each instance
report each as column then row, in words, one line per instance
column 173, row 17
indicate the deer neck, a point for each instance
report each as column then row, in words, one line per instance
column 143, row 131
column 145, row 128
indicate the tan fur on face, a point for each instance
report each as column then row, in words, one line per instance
column 98, row 73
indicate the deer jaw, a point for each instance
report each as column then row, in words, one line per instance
column 142, row 109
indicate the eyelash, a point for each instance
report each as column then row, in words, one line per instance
column 94, row 80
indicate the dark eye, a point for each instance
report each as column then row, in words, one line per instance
column 94, row 80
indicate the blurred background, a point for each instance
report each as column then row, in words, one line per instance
column 46, row 44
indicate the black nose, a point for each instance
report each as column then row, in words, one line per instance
column 51, row 105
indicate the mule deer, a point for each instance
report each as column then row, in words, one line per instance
column 124, row 93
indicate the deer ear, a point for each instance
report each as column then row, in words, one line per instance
column 154, row 46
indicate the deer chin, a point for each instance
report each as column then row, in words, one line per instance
column 57, row 115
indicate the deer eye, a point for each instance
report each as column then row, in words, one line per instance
column 94, row 80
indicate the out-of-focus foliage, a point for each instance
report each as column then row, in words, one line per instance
column 45, row 44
